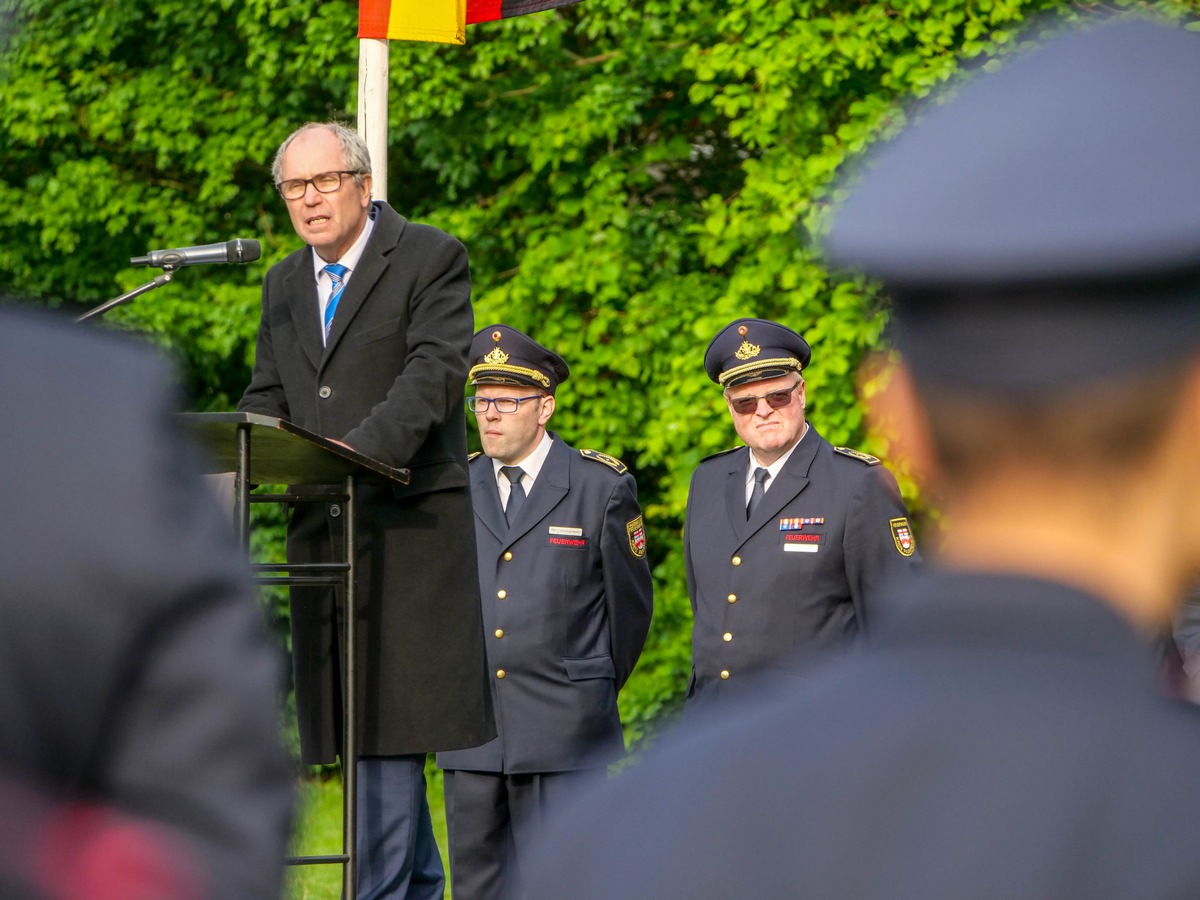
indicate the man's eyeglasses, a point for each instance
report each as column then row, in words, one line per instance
column 743, row 406
column 325, row 183
column 503, row 404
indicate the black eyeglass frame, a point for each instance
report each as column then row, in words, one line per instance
column 474, row 403
column 305, row 182
column 745, row 406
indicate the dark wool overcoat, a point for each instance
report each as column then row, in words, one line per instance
column 389, row 382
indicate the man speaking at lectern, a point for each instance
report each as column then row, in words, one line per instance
column 364, row 339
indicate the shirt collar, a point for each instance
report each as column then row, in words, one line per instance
column 350, row 258
column 530, row 465
column 776, row 467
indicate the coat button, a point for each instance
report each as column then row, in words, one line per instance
column 499, row 632
column 325, row 392
column 727, row 637
column 732, row 598
column 724, row 674
column 500, row 673
column 737, row 560
column 507, row 555
column 335, row 510
column 501, row 594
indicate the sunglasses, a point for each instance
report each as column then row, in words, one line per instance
column 743, row 406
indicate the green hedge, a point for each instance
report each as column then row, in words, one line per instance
column 627, row 177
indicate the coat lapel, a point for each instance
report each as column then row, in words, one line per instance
column 306, row 308
column 551, row 486
column 371, row 265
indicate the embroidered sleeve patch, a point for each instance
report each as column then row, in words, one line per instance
column 902, row 535
column 636, row 532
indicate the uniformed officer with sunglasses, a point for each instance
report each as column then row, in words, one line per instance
column 788, row 539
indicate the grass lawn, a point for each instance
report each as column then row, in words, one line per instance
column 319, row 831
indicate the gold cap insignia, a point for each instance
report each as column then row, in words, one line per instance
column 748, row 350
column 496, row 357
column 743, row 330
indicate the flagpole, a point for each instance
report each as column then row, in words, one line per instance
column 373, row 108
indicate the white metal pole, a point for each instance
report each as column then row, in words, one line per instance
column 373, row 108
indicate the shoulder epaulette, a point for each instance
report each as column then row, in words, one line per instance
column 720, row 453
column 857, row 454
column 611, row 461
column 471, row 456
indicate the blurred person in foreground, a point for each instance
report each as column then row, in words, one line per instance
column 1004, row 733
column 140, row 754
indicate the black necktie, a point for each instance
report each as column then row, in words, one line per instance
column 756, row 493
column 516, row 493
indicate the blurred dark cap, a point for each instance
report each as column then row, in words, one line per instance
column 1041, row 229
column 754, row 349
column 502, row 355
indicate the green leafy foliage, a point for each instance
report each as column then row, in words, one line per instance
column 628, row 177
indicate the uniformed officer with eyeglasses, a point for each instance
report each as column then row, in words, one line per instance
column 567, row 599
column 788, row 539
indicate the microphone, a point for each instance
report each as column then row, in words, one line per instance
column 239, row 250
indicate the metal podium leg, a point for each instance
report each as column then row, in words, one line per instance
column 350, row 715
column 241, row 490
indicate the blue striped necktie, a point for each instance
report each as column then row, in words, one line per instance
column 337, row 272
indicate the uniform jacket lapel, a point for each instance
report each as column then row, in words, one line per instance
column 551, row 486
column 486, row 498
column 791, row 480
column 735, row 491
column 374, row 261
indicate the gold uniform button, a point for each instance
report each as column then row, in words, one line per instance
column 499, row 632
column 501, row 594
column 737, row 560
column 499, row 673
column 507, row 555
column 732, row 598
column 724, row 674
column 727, row 637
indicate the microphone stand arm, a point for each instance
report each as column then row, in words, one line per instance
column 158, row 281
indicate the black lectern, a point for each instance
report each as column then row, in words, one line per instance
column 267, row 450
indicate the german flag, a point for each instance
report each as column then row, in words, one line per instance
column 490, row 10
column 443, row 21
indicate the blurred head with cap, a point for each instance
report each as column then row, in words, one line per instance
column 1039, row 234
column 515, row 378
column 759, row 364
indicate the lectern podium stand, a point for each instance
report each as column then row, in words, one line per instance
column 266, row 450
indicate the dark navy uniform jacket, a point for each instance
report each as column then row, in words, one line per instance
column 802, row 574
column 996, row 738
column 567, row 600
